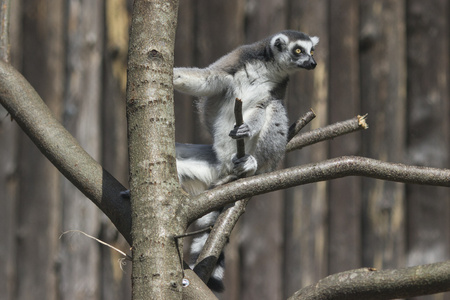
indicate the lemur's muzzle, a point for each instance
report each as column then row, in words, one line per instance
column 310, row 64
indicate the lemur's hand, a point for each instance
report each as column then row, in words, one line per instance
column 240, row 132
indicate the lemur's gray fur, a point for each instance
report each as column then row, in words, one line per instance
column 258, row 75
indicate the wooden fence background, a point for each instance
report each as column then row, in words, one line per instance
column 387, row 58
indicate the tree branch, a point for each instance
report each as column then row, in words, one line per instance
column 371, row 284
column 327, row 133
column 194, row 288
column 217, row 239
column 4, row 29
column 300, row 124
column 326, row 170
column 226, row 221
column 61, row 148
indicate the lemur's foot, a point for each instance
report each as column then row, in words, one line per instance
column 244, row 166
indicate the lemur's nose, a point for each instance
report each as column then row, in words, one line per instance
column 311, row 64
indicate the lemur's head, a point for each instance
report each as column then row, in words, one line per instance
column 294, row 49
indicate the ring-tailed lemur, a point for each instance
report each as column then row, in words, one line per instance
column 258, row 75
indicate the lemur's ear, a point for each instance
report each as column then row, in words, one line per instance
column 314, row 40
column 279, row 42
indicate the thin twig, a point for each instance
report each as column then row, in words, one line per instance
column 327, row 133
column 191, row 233
column 240, row 145
column 96, row 239
column 300, row 124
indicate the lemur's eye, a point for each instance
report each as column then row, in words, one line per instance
column 298, row 50
column 312, row 52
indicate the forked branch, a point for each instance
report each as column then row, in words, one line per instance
column 226, row 221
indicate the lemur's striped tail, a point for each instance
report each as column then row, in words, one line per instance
column 215, row 282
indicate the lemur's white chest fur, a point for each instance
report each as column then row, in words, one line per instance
column 253, row 84
column 254, row 81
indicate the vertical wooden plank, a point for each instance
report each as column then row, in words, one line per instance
column 233, row 271
column 115, row 280
column 428, row 129
column 306, row 206
column 114, row 131
column 38, row 203
column 8, row 189
column 383, row 88
column 262, row 226
column 185, row 112
column 79, row 256
column 8, row 174
column 115, row 283
column 344, row 194
column 219, row 28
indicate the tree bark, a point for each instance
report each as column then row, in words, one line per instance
column 314, row 172
column 156, row 196
column 372, row 284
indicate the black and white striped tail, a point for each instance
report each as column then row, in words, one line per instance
column 215, row 282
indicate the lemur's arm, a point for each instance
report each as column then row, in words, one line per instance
column 200, row 82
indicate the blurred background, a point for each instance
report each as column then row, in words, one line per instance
column 388, row 58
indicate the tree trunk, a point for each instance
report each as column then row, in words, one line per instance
column 156, row 197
